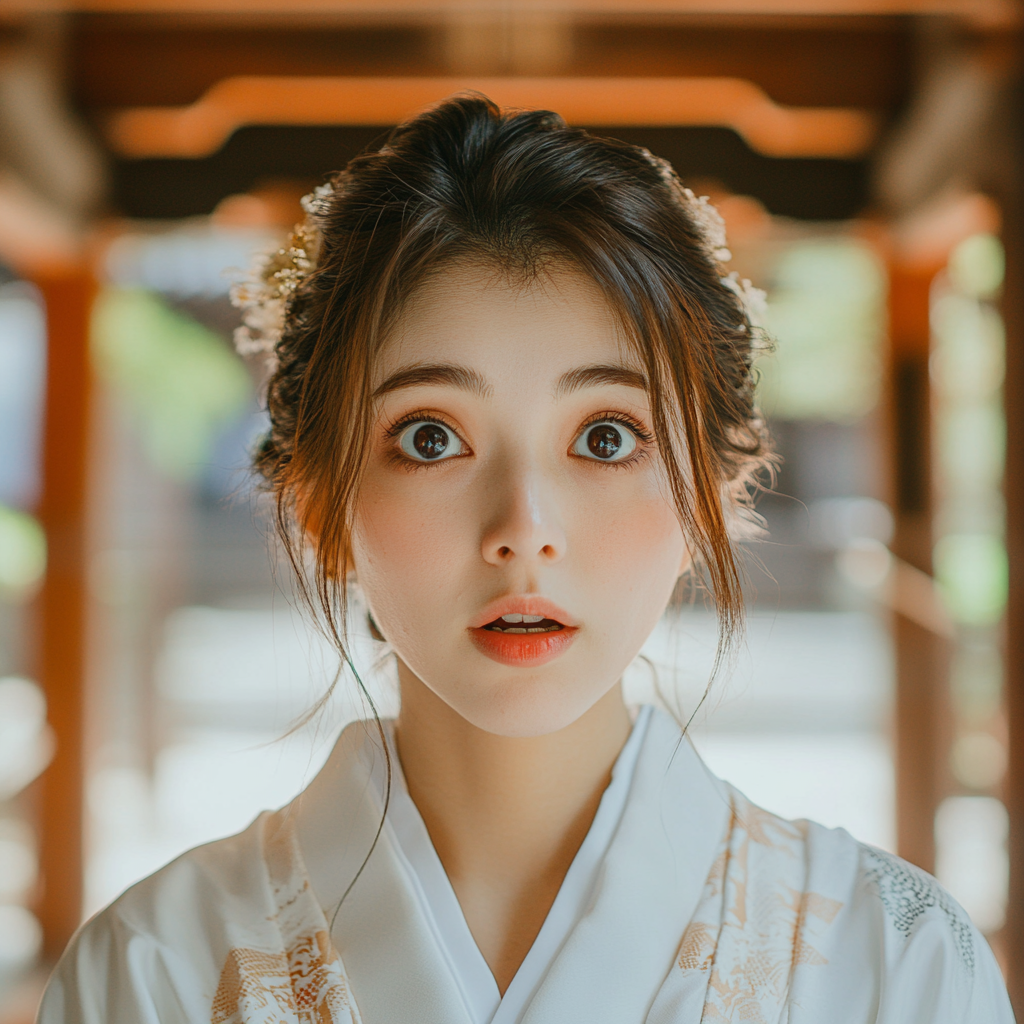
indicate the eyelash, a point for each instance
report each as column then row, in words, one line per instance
column 643, row 449
column 643, row 435
column 394, row 453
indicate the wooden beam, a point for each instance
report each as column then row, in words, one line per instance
column 821, row 62
column 68, row 295
column 987, row 12
column 126, row 61
column 921, row 709
column 202, row 128
column 1013, row 398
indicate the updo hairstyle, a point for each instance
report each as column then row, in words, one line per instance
column 520, row 191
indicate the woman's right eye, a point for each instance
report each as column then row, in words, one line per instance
column 429, row 441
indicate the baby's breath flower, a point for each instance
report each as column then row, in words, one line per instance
column 711, row 227
column 265, row 296
column 710, row 224
column 755, row 300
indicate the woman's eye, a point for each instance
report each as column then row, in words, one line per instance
column 426, row 441
column 607, row 441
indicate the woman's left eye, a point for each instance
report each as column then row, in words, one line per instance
column 606, row 441
column 429, row 441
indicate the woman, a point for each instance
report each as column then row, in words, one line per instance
column 513, row 400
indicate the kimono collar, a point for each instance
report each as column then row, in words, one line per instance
column 612, row 963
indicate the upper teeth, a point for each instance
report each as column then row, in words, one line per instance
column 516, row 617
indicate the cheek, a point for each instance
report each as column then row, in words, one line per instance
column 634, row 548
column 402, row 533
column 638, row 526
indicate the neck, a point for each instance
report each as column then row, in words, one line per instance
column 506, row 814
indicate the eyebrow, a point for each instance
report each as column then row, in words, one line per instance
column 465, row 379
column 436, row 374
column 597, row 376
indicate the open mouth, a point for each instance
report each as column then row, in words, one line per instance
column 527, row 637
column 517, row 623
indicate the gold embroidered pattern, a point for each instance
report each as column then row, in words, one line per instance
column 698, row 947
column 304, row 985
column 755, row 921
column 304, row 981
column 254, row 986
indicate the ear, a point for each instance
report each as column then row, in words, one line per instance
column 309, row 517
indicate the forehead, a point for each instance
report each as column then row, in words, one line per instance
column 477, row 316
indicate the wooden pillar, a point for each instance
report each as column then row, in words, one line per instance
column 921, row 699
column 68, row 295
column 1013, row 398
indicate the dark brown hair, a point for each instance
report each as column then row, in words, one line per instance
column 466, row 181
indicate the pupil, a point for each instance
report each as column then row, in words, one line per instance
column 604, row 441
column 430, row 440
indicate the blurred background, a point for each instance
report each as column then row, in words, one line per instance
column 866, row 156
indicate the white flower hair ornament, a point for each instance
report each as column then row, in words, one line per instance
column 711, row 226
column 754, row 300
column 264, row 297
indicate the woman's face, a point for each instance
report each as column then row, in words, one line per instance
column 514, row 484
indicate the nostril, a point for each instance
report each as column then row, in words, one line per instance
column 504, row 552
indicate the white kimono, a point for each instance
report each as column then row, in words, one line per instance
column 685, row 905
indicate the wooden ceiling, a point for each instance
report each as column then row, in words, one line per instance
column 138, row 59
column 131, row 60
column 991, row 12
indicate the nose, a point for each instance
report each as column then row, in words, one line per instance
column 525, row 525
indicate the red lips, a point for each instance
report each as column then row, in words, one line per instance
column 525, row 604
column 524, row 650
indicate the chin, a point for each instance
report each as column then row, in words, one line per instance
column 536, row 706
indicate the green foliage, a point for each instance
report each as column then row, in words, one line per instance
column 973, row 574
column 977, row 266
column 825, row 312
column 22, row 554
column 180, row 380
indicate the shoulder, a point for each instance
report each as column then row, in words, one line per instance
column 913, row 907
column 928, row 961
column 883, row 899
column 877, row 939
column 166, row 937
column 226, row 879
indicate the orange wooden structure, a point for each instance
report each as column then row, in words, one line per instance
column 921, row 713
column 1013, row 398
column 68, row 293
